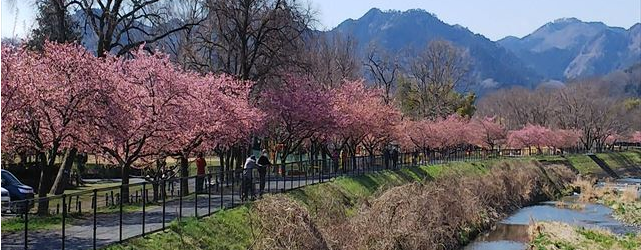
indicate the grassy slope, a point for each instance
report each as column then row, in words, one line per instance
column 231, row 229
column 618, row 161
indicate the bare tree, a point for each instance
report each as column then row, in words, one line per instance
column 584, row 106
column 251, row 39
column 120, row 26
column 331, row 60
column 439, row 71
column 519, row 106
column 383, row 67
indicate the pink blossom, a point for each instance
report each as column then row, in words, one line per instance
column 636, row 137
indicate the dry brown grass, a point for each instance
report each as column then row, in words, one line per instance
column 555, row 235
column 586, row 189
column 283, row 223
column 630, row 194
column 430, row 215
column 607, row 192
column 571, row 205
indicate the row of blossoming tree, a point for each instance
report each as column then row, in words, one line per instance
column 139, row 110
column 131, row 111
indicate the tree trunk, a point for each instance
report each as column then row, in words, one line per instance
column 221, row 156
column 23, row 158
column 43, row 204
column 370, row 151
column 124, row 189
column 160, row 170
column 63, row 172
column 230, row 164
column 184, row 172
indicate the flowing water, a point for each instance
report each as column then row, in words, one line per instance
column 512, row 232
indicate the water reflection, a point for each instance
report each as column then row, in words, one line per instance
column 512, row 233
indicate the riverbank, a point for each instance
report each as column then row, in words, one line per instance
column 622, row 197
column 346, row 211
column 452, row 201
column 555, row 235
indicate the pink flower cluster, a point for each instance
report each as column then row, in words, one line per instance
column 127, row 109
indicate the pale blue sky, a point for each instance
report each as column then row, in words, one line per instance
column 493, row 18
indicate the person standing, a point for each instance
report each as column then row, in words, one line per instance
column 248, row 180
column 263, row 164
column 394, row 157
column 386, row 157
column 200, row 172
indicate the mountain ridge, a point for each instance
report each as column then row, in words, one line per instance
column 563, row 49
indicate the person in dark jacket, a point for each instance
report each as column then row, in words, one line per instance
column 248, row 180
column 263, row 164
column 394, row 157
column 386, row 157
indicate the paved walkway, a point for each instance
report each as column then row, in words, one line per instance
column 79, row 233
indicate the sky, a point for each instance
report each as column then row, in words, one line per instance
column 494, row 19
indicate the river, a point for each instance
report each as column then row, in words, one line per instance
column 512, row 232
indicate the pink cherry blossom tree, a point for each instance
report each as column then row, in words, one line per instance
column 488, row 132
column 636, row 137
column 143, row 110
column 295, row 112
column 452, row 132
column 362, row 117
column 563, row 138
column 49, row 100
column 415, row 135
column 216, row 113
column 530, row 136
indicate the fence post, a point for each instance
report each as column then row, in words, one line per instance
column 233, row 180
column 26, row 224
column 307, row 171
column 209, row 194
column 64, row 217
column 95, row 209
column 144, row 202
column 164, row 198
column 291, row 179
column 320, row 171
column 221, row 185
column 180, row 201
column 120, row 214
column 196, row 194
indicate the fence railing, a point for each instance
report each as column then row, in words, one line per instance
column 96, row 218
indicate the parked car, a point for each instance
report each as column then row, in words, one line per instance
column 17, row 192
column 5, row 195
column 5, row 200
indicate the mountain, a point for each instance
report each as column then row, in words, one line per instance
column 570, row 48
column 412, row 30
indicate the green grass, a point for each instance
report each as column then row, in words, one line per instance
column 227, row 229
column 16, row 224
column 618, row 160
column 231, row 229
column 586, row 166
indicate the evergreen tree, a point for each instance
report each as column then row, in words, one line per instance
column 54, row 24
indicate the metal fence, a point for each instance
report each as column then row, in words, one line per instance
column 96, row 218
